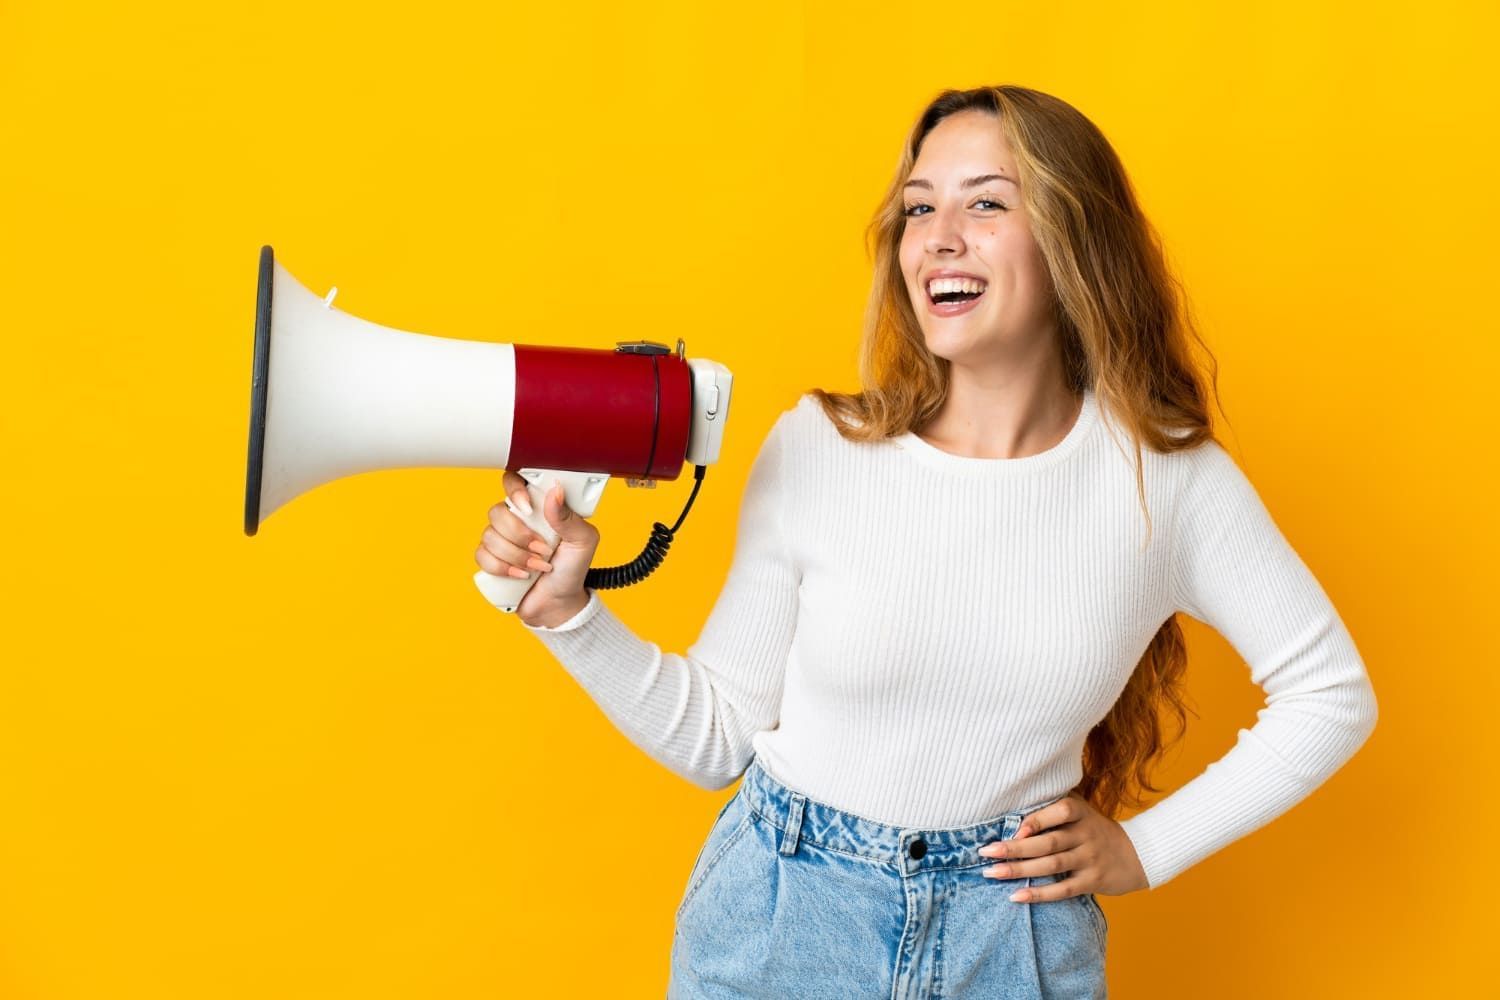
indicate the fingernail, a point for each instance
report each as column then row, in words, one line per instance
column 1018, row 897
column 525, row 504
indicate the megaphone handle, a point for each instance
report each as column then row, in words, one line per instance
column 506, row 592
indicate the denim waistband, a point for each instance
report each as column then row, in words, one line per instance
column 912, row 849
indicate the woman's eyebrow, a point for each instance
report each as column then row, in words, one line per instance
column 971, row 182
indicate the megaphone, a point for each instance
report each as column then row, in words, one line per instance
column 332, row 395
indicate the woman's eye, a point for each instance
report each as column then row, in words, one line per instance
column 911, row 210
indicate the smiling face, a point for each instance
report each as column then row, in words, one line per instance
column 964, row 213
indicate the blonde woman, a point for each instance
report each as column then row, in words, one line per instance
column 949, row 628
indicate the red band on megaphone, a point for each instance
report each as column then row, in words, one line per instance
column 593, row 410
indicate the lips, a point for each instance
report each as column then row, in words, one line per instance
column 948, row 272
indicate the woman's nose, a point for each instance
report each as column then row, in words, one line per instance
column 945, row 233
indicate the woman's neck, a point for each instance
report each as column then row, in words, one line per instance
column 1012, row 418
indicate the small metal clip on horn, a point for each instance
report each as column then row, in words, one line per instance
column 641, row 347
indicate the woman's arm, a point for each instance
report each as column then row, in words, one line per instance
column 696, row 713
column 1233, row 570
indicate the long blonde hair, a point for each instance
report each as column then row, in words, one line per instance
column 1125, row 329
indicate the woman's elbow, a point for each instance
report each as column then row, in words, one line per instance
column 1372, row 713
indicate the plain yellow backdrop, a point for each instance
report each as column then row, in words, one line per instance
column 315, row 764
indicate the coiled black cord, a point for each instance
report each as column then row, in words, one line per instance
column 643, row 565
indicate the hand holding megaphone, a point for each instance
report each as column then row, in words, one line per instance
column 557, row 557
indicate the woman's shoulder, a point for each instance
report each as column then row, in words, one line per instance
column 1179, row 473
column 1207, row 478
column 812, row 423
column 1208, row 457
column 806, row 415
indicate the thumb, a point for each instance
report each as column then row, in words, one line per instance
column 560, row 515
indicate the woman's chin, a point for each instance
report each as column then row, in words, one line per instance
column 950, row 345
column 973, row 344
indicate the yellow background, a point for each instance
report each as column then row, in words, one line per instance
column 316, row 764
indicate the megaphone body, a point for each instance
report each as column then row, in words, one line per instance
column 333, row 395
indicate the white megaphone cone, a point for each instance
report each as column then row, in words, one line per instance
column 344, row 396
column 333, row 395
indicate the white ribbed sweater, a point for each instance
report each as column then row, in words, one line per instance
column 926, row 639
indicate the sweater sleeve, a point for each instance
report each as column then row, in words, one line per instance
column 697, row 712
column 1234, row 571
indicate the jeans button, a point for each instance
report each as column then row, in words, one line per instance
column 918, row 848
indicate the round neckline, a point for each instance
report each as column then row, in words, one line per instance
column 932, row 455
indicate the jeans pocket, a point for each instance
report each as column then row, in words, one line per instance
column 1096, row 912
column 727, row 829
column 703, row 848
column 1096, row 919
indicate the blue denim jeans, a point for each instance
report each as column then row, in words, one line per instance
column 791, row 897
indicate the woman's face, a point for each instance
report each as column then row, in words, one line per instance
column 963, row 213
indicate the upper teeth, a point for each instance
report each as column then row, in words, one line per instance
column 938, row 286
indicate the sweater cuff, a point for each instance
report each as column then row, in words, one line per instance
column 582, row 618
column 1237, row 794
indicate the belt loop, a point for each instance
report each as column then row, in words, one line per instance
column 793, row 832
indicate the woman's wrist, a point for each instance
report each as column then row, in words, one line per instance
column 556, row 613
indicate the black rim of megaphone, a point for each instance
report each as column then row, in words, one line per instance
column 260, row 371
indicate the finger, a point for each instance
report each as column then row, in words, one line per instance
column 503, row 548
column 1041, row 845
column 1064, row 810
column 1035, row 846
column 1049, row 892
column 515, row 488
column 513, row 529
column 495, row 567
column 1043, row 864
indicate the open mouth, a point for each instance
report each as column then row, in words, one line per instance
column 954, row 291
column 943, row 298
column 954, row 296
